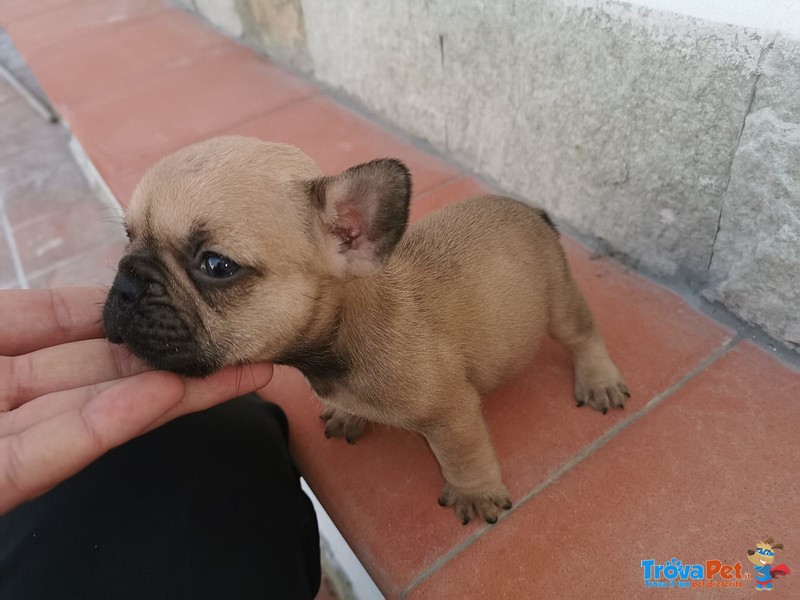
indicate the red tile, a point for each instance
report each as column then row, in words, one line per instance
column 382, row 491
column 123, row 183
column 12, row 11
column 131, row 130
column 74, row 71
column 704, row 476
column 58, row 22
column 452, row 191
column 337, row 138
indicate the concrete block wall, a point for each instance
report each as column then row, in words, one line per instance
column 755, row 270
column 671, row 140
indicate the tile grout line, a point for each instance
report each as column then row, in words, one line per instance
column 224, row 130
column 449, row 180
column 12, row 247
column 576, row 459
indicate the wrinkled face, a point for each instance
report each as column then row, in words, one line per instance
column 231, row 247
column 763, row 554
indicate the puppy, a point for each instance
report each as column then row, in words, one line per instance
column 241, row 250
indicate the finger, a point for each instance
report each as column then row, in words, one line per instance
column 34, row 319
column 200, row 394
column 35, row 459
column 224, row 385
column 63, row 367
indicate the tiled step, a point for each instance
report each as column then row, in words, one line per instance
column 703, row 477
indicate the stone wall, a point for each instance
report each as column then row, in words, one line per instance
column 673, row 141
column 755, row 268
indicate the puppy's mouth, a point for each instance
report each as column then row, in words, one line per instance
column 138, row 312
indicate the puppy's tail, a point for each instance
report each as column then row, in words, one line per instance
column 546, row 218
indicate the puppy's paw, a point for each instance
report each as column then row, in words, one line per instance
column 484, row 505
column 340, row 424
column 599, row 385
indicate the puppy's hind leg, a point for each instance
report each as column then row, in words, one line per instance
column 460, row 441
column 598, row 382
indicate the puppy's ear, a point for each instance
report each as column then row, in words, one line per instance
column 363, row 213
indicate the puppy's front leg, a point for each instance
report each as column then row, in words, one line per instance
column 460, row 441
column 339, row 423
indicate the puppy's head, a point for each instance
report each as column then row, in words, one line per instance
column 234, row 245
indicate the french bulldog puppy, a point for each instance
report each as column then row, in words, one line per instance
column 242, row 250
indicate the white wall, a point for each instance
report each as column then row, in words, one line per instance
column 361, row 583
column 780, row 15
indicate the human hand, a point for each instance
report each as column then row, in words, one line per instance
column 67, row 396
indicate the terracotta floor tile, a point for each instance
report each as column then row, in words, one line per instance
column 12, row 11
column 74, row 72
column 337, row 138
column 123, row 183
column 132, row 130
column 96, row 267
column 66, row 21
column 58, row 237
column 452, row 191
column 382, row 491
column 703, row 476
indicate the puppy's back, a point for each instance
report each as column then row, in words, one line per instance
column 482, row 274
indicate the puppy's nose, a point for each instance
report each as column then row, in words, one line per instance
column 128, row 289
column 137, row 281
column 137, row 277
column 123, row 300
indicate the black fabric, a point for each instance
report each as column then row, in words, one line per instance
column 208, row 506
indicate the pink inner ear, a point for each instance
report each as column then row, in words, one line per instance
column 350, row 228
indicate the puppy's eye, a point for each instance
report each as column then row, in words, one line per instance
column 218, row 267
